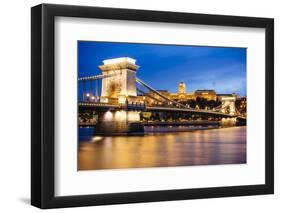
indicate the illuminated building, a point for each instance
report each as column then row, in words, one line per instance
column 206, row 94
column 182, row 88
column 182, row 95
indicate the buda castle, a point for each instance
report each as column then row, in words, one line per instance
column 183, row 96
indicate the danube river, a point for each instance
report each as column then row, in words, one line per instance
column 175, row 147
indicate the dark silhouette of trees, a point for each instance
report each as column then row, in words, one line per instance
column 202, row 103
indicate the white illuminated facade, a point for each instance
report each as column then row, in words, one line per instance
column 121, row 83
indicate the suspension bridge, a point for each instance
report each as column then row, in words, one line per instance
column 122, row 98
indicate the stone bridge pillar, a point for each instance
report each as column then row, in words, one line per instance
column 228, row 104
column 118, row 122
column 121, row 81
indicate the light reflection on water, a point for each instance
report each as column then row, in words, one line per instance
column 200, row 147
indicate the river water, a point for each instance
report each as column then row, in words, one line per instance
column 161, row 148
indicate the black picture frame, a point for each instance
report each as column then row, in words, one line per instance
column 43, row 110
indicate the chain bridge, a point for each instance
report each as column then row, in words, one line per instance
column 122, row 99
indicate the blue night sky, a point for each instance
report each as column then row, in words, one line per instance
column 165, row 66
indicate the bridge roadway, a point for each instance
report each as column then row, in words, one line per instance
column 169, row 123
column 141, row 107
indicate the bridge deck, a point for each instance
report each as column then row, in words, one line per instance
column 169, row 123
column 106, row 106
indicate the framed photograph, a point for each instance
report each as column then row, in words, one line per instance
column 139, row 106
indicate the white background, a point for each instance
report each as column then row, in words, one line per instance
column 15, row 106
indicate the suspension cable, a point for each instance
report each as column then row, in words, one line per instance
column 158, row 93
column 142, row 92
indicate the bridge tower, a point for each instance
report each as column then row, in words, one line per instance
column 119, row 87
column 120, row 83
column 228, row 104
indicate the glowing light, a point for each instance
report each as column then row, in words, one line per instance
column 104, row 100
column 133, row 116
column 93, row 97
column 96, row 138
column 228, row 121
column 108, row 116
column 122, row 100
column 120, row 115
column 88, row 94
column 119, row 60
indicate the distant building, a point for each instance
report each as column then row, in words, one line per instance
column 182, row 88
column 183, row 95
column 206, row 94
